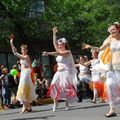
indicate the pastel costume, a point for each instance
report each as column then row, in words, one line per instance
column 112, row 84
column 84, row 81
column 63, row 85
column 26, row 88
column 96, row 80
column 86, row 77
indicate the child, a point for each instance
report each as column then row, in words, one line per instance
column 6, row 93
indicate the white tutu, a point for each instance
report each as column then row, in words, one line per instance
column 62, row 87
column 112, row 87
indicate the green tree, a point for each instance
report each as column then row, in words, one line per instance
column 15, row 18
column 82, row 20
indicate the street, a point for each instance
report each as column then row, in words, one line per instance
column 78, row 111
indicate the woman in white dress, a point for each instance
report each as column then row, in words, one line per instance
column 63, row 85
column 112, row 84
column 26, row 89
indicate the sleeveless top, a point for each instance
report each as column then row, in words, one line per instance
column 64, row 63
column 83, row 69
column 93, row 63
column 24, row 64
column 115, row 46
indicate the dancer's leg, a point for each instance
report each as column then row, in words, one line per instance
column 67, row 105
column 55, row 104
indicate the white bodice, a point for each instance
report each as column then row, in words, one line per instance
column 64, row 62
column 83, row 69
column 95, row 74
column 95, row 62
column 24, row 63
column 115, row 46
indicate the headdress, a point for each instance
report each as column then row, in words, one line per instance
column 63, row 40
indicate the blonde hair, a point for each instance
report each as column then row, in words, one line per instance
column 3, row 70
column 24, row 46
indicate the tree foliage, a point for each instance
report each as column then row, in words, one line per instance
column 83, row 20
column 78, row 20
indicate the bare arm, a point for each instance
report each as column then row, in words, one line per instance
column 15, row 51
column 55, row 30
column 86, row 46
column 86, row 63
column 77, row 65
column 64, row 53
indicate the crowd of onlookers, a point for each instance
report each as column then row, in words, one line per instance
column 9, row 80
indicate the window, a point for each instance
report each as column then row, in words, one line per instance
column 37, row 9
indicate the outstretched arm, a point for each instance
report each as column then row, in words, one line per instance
column 64, row 53
column 14, row 49
column 86, row 46
column 86, row 63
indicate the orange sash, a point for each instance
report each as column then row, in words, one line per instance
column 106, row 56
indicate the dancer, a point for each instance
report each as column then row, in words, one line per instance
column 112, row 84
column 84, row 79
column 63, row 84
column 26, row 89
column 95, row 77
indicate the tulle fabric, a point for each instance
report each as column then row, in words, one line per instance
column 62, row 87
column 105, row 61
column 26, row 89
column 112, row 87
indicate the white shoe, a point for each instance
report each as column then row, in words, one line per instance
column 54, row 108
column 67, row 108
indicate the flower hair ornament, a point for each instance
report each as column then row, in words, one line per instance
column 116, row 23
column 63, row 40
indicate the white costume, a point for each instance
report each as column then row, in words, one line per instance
column 26, row 89
column 86, row 77
column 95, row 74
column 112, row 85
column 64, row 81
column 96, row 81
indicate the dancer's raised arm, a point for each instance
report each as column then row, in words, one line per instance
column 55, row 30
column 14, row 50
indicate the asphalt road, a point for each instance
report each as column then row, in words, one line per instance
column 78, row 111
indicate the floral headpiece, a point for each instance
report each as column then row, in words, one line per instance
column 63, row 40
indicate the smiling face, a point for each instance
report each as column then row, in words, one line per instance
column 61, row 45
column 24, row 49
column 94, row 54
column 113, row 30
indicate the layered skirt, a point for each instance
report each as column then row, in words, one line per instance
column 62, row 87
column 112, row 87
column 26, row 88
